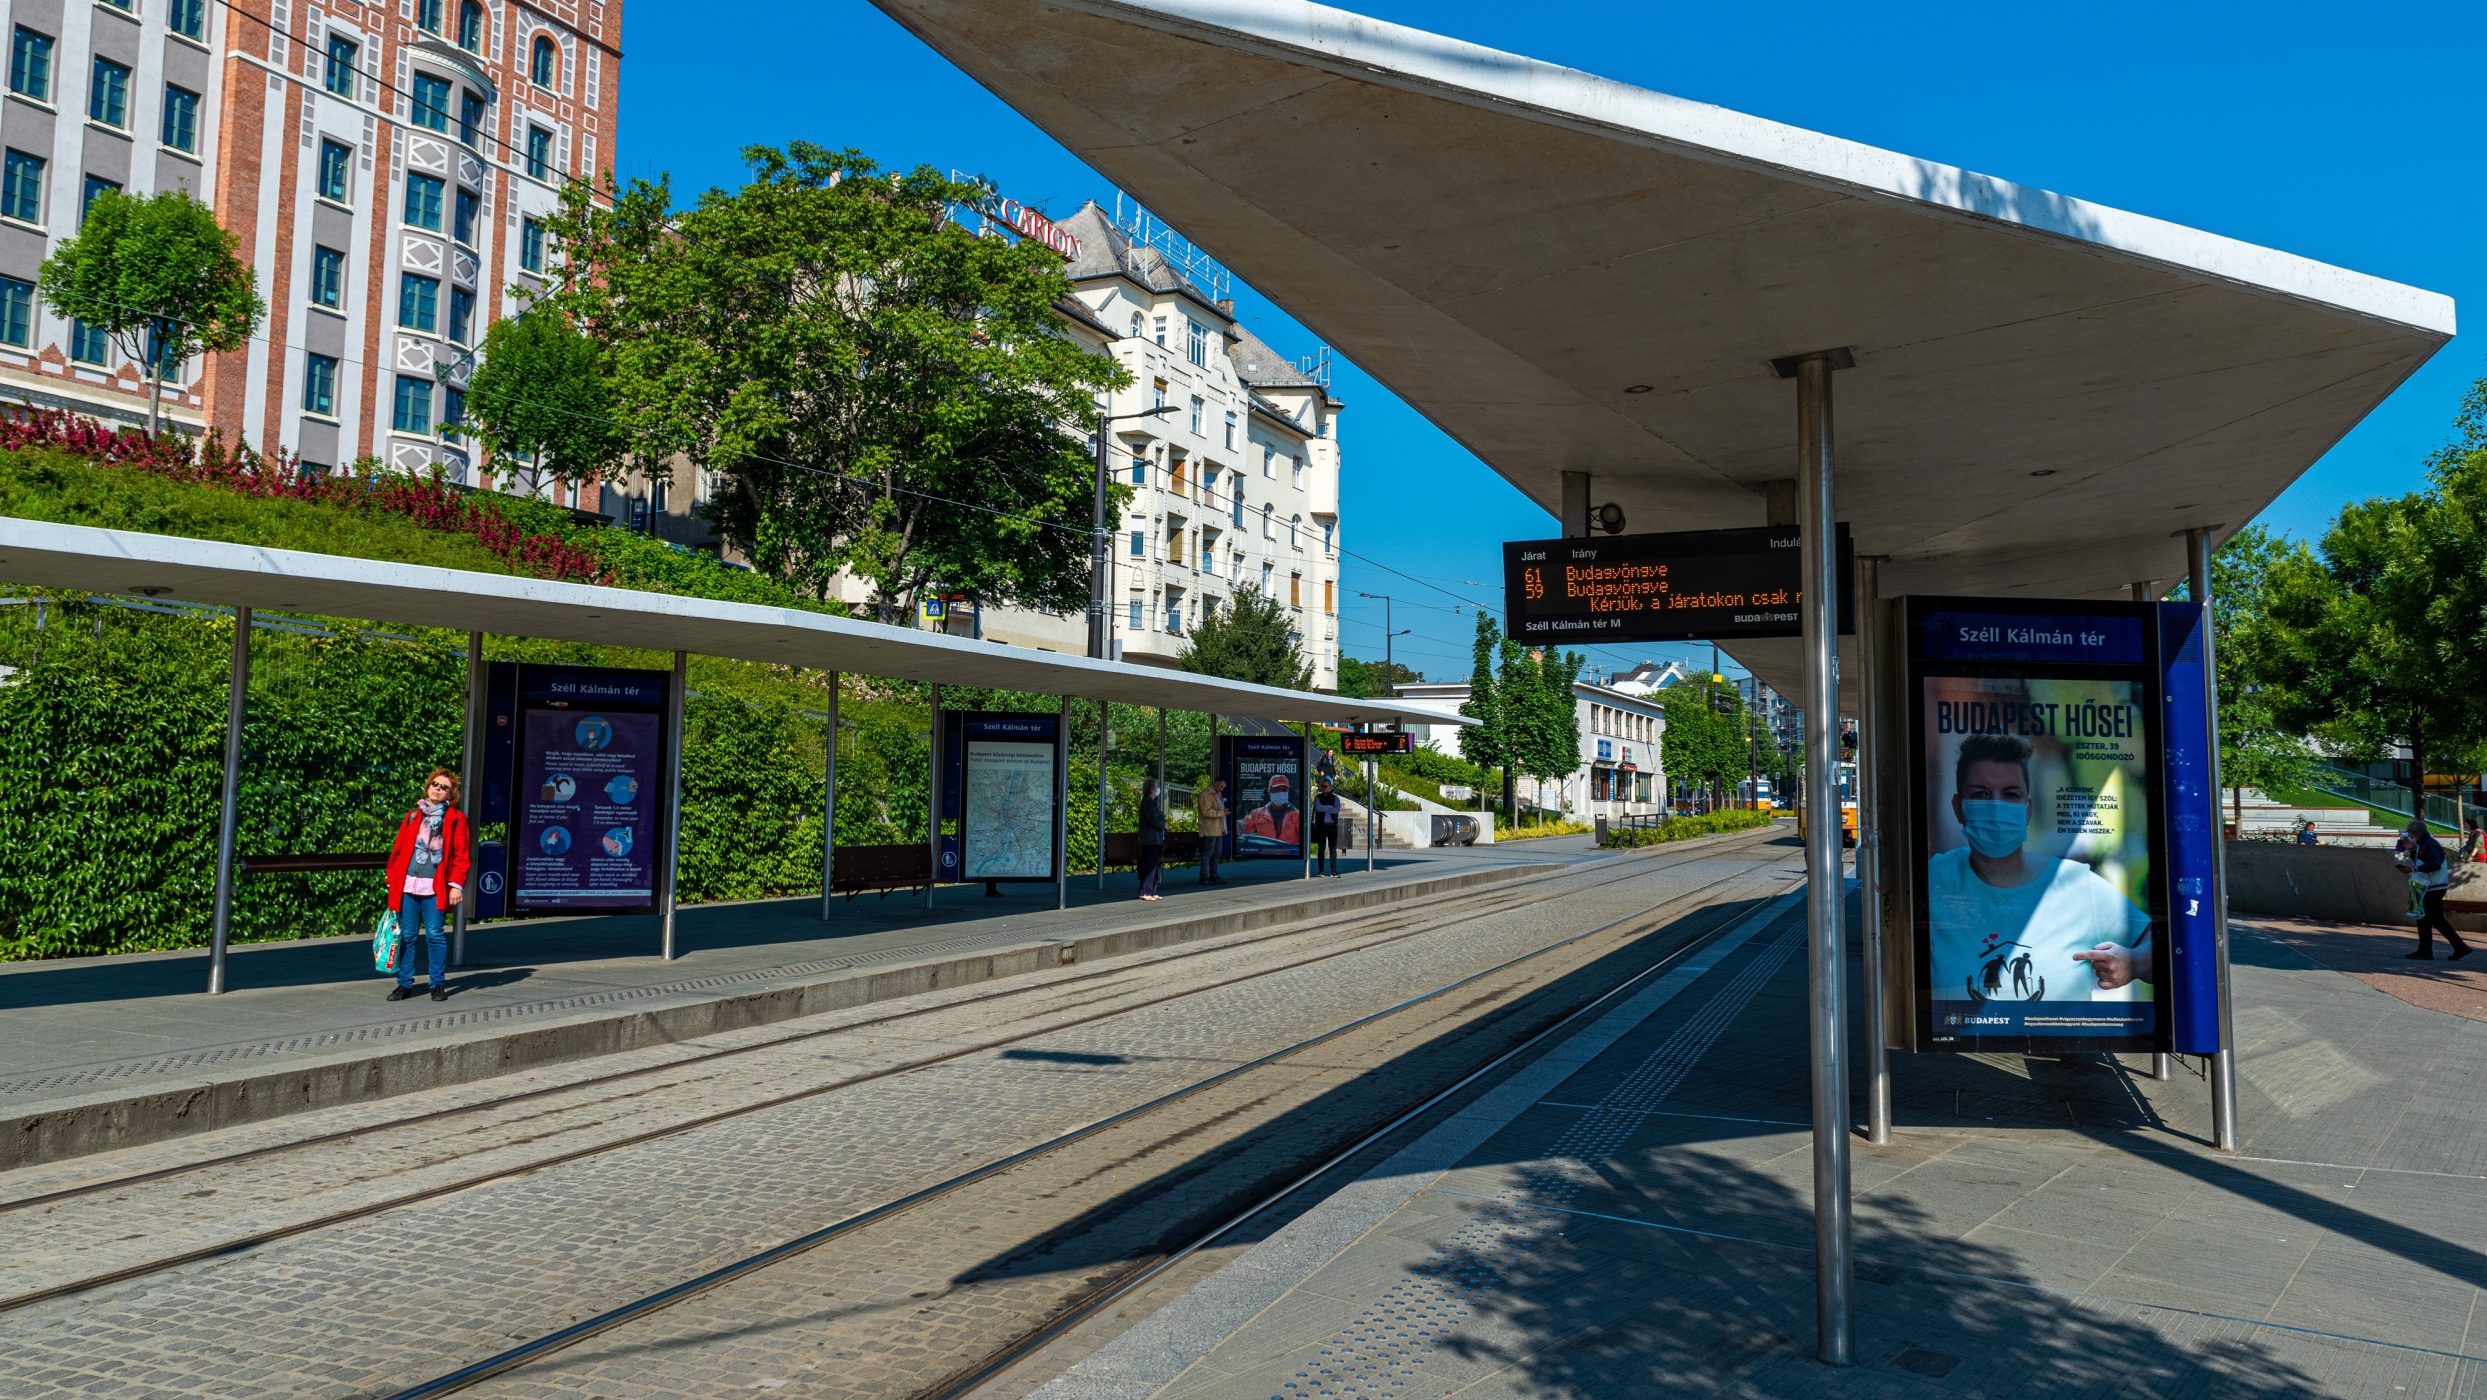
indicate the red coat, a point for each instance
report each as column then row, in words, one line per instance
column 457, row 853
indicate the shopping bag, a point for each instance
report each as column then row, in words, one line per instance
column 2417, row 900
column 384, row 942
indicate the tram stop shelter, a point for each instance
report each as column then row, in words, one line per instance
column 250, row 578
column 1616, row 297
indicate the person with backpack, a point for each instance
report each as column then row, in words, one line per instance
column 2430, row 869
column 427, row 875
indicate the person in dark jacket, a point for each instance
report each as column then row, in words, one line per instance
column 427, row 875
column 1152, row 838
column 1325, row 829
column 2431, row 865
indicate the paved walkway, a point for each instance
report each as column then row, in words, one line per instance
column 82, row 1035
column 1632, row 1216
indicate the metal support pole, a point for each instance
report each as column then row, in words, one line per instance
column 1372, row 813
column 1304, row 815
column 829, row 799
column 2223, row 1064
column 237, row 696
column 1099, row 551
column 1870, row 850
column 932, row 811
column 1835, row 1343
column 675, row 695
column 468, row 787
column 1105, row 731
column 2162, row 1065
column 1062, row 809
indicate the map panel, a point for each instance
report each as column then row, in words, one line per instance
column 1010, row 810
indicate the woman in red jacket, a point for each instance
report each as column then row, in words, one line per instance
column 427, row 874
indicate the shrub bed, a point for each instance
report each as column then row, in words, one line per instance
column 1686, row 828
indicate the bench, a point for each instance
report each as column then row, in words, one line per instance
column 312, row 862
column 855, row 869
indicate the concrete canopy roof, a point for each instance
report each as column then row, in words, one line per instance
column 1570, row 274
column 38, row 554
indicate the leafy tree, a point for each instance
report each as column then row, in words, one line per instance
column 540, row 405
column 880, row 390
column 160, row 277
column 1361, row 680
column 2255, row 749
column 1541, row 714
column 1705, row 736
column 1250, row 638
column 1487, row 744
column 1519, row 701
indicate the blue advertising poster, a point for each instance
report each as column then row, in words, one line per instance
column 1264, row 795
column 2040, row 909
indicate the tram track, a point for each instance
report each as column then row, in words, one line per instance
column 1055, row 1005
column 1056, row 1316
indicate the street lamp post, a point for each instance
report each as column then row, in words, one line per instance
column 1101, row 551
column 1389, row 678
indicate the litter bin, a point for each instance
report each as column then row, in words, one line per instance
column 1601, row 825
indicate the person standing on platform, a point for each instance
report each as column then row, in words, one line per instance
column 1152, row 838
column 2430, row 866
column 1211, row 805
column 427, row 875
column 1325, row 829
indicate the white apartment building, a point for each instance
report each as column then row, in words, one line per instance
column 1621, row 772
column 1236, row 482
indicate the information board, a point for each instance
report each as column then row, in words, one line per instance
column 1265, row 794
column 1365, row 745
column 1000, row 796
column 1702, row 584
column 584, row 811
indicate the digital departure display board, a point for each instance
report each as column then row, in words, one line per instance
column 1703, row 584
column 1366, row 744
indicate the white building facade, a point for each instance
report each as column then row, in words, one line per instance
column 1622, row 733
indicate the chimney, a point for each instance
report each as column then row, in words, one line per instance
column 1227, row 305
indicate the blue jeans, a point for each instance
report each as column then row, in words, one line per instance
column 420, row 912
column 1209, row 857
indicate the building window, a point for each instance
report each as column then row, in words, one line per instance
column 1161, row 332
column 21, row 187
column 453, row 416
column 1230, row 431
column 1137, row 621
column 328, row 278
column 1157, row 393
column 1267, row 532
column 30, row 64
column 1139, row 470
column 108, row 101
column 427, row 15
column 1266, row 571
column 543, row 63
column 319, row 385
column 1174, row 616
column 17, row 312
column 413, row 410
column 87, row 344
column 1236, row 497
column 1297, row 464
column 470, row 117
column 187, row 18
column 181, row 118
column 1329, row 595
column 471, row 27
column 1136, row 329
column 339, row 78
column 1295, row 532
column 462, row 228
column 336, row 171
column 1139, row 544
column 1329, row 537
column 1198, row 408
column 418, row 301
column 1295, row 590
column 1269, row 460
column 539, row 153
column 423, row 202
column 531, row 245
column 461, row 316
column 95, row 185
column 431, row 102
column 1198, row 346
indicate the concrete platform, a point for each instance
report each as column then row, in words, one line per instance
column 97, row 1053
column 1631, row 1215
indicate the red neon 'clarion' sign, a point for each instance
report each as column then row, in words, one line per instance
column 1030, row 224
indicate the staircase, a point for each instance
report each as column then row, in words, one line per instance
column 2258, row 815
column 1352, row 817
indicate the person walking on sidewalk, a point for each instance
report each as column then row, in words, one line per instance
column 426, row 875
column 1152, row 838
column 1325, row 829
column 1211, row 805
column 2430, row 865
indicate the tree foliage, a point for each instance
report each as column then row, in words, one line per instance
column 1251, row 637
column 880, row 390
column 1709, row 739
column 160, row 277
column 1484, row 743
column 540, row 405
column 1362, row 680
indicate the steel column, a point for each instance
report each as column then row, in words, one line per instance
column 675, row 695
column 932, row 811
column 467, row 786
column 1824, row 886
column 1303, row 805
column 2223, row 1064
column 1870, row 850
column 829, row 797
column 1062, row 814
column 237, row 696
column 1105, row 732
column 1372, row 812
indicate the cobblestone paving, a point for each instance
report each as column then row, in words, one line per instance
column 394, row 1297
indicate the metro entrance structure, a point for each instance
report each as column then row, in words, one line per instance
column 1621, row 299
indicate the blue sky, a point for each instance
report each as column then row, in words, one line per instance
column 2344, row 134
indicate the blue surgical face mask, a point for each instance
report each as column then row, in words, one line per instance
column 1995, row 829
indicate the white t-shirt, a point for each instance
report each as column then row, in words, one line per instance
column 2069, row 910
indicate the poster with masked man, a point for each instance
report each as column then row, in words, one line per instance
column 1265, row 790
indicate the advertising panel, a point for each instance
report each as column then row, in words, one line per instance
column 1265, row 792
column 1697, row 584
column 2038, row 818
column 586, row 808
column 1000, row 796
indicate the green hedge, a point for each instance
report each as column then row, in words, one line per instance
column 1686, row 828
